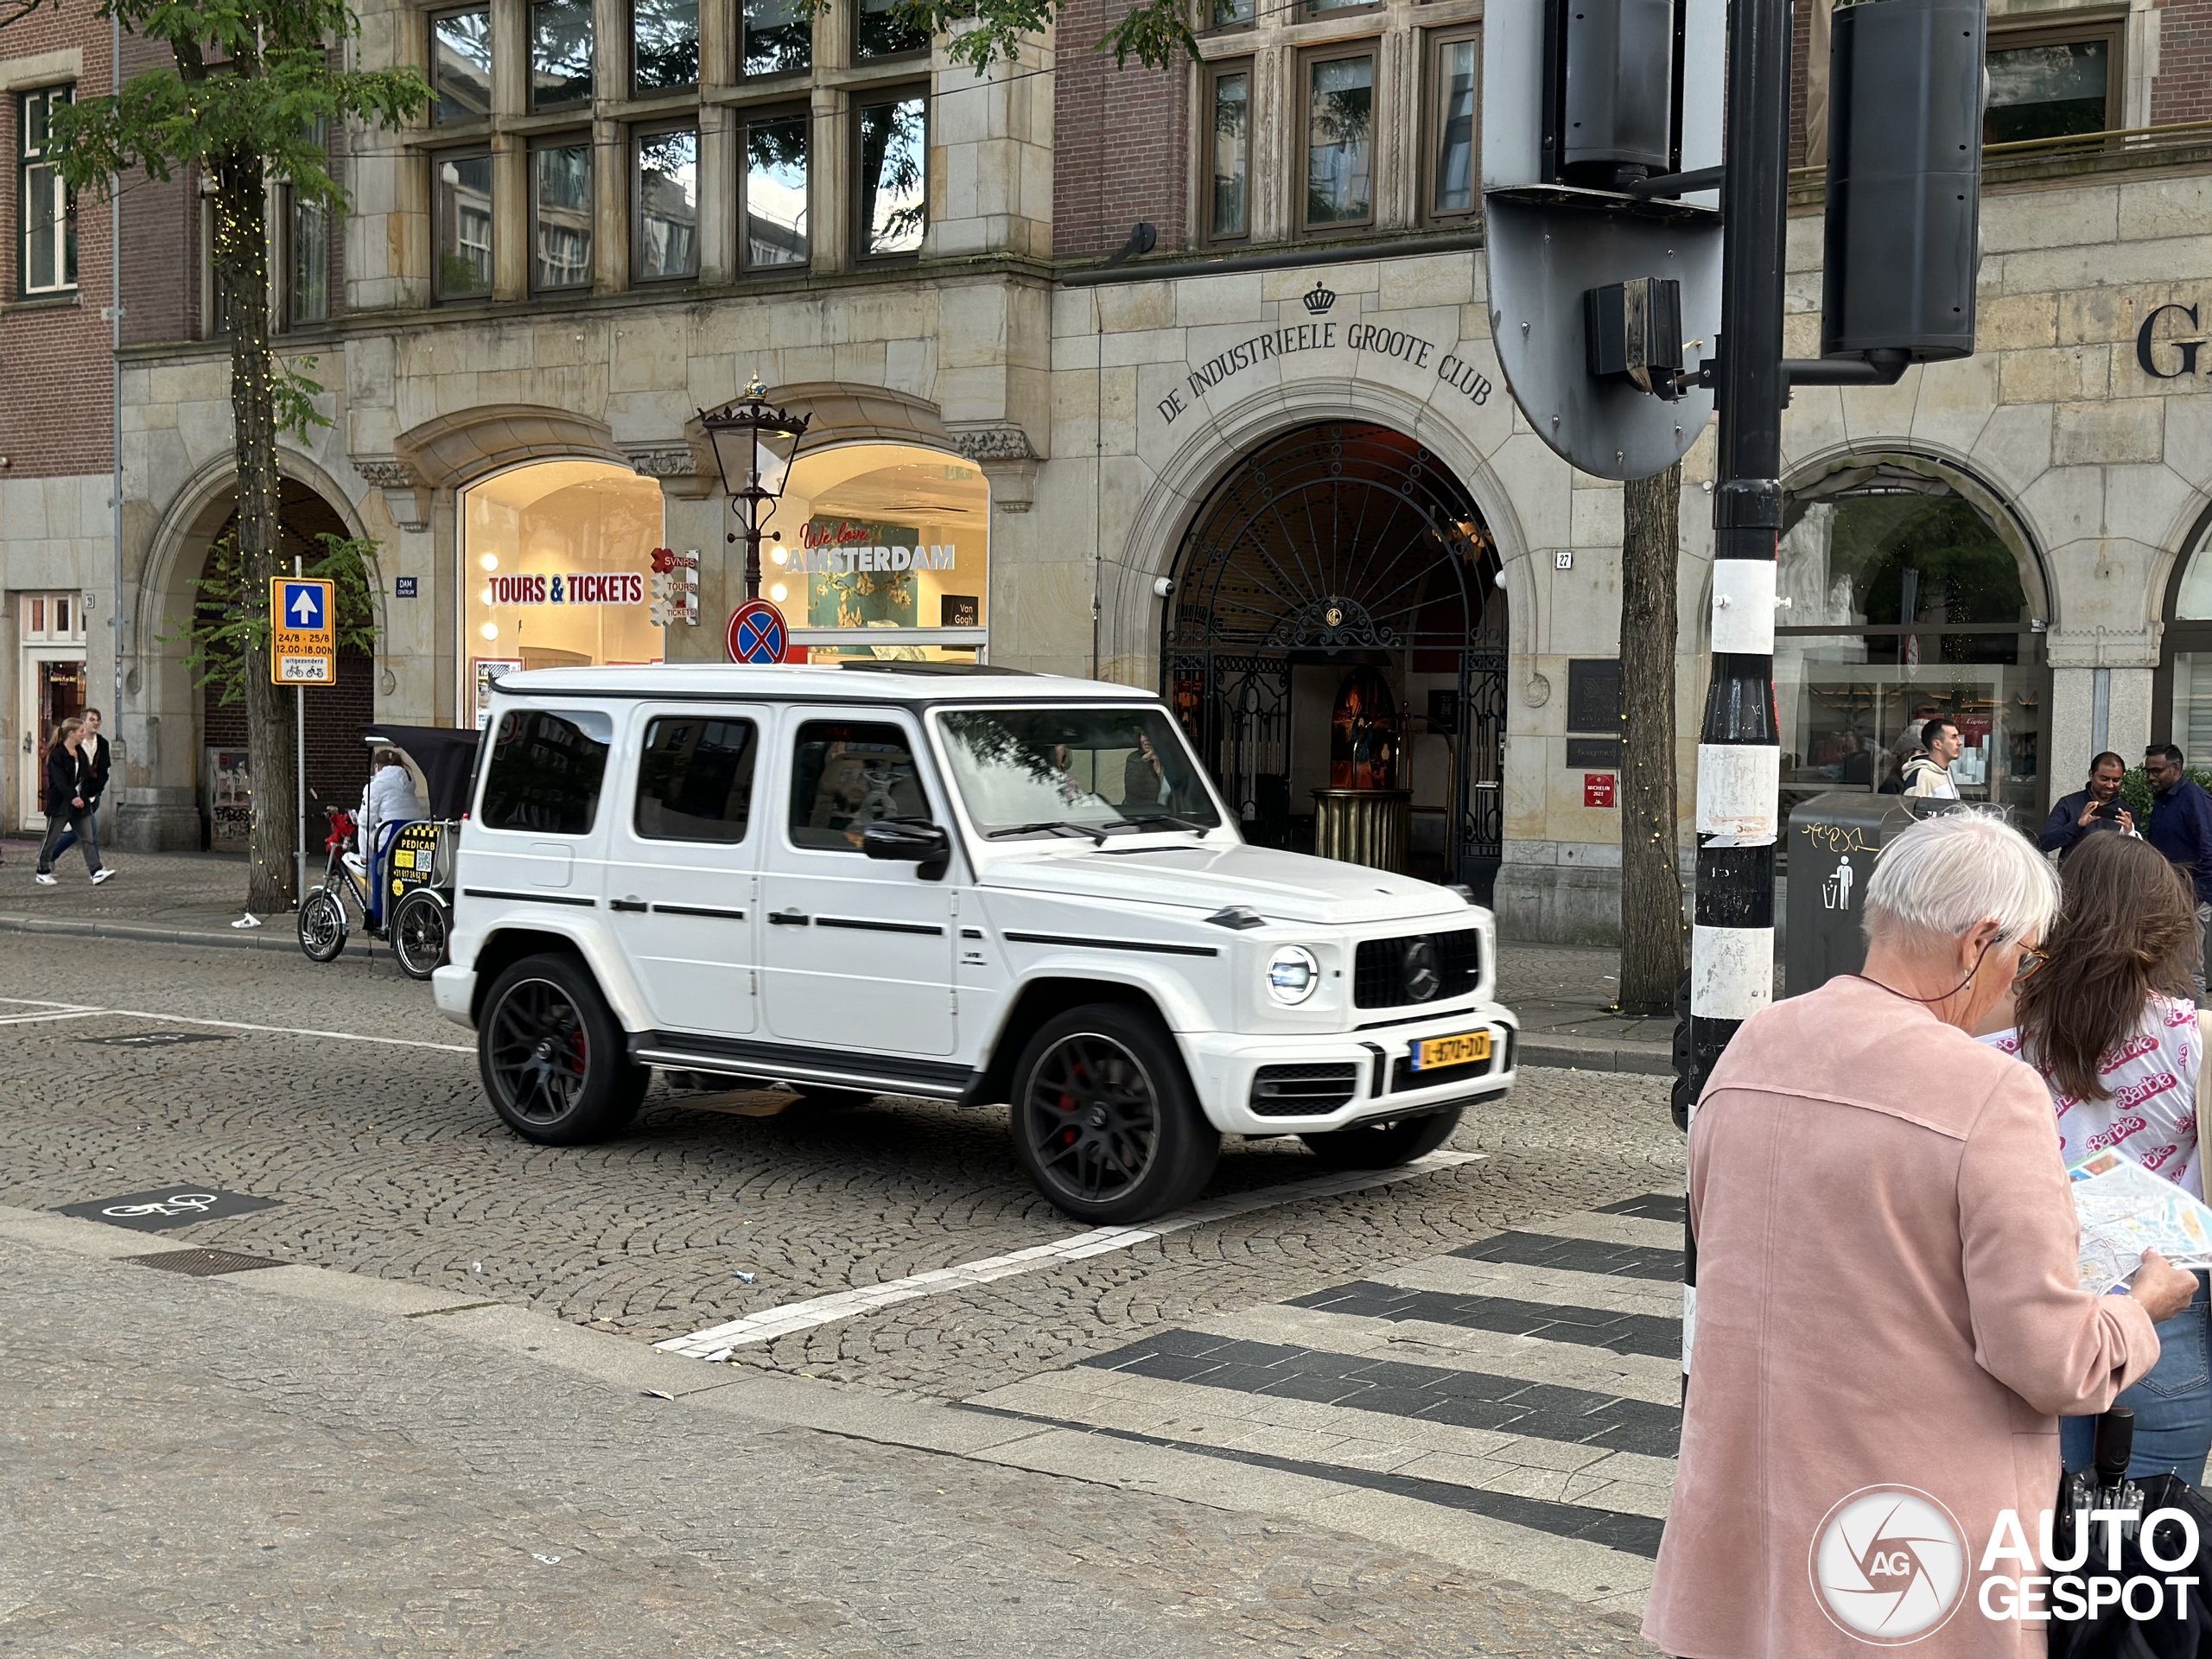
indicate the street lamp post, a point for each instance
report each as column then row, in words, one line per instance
column 744, row 433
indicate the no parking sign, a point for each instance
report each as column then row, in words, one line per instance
column 757, row 633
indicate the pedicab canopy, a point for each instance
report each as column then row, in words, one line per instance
column 445, row 755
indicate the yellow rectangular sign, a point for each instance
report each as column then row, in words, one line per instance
column 302, row 631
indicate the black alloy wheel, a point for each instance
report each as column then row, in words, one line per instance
column 1385, row 1144
column 1104, row 1120
column 553, row 1058
column 322, row 926
column 419, row 933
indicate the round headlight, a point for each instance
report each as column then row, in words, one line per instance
column 1292, row 974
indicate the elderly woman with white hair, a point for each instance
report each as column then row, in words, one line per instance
column 1886, row 1288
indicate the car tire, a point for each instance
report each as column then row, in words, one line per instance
column 420, row 933
column 1385, row 1144
column 553, row 1056
column 1103, row 1117
column 322, row 926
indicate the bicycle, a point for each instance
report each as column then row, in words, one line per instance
column 417, row 930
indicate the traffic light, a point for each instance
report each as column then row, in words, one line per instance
column 1904, row 241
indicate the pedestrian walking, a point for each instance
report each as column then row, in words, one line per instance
column 68, row 777
column 1927, row 774
column 1886, row 1284
column 2107, row 1021
column 94, row 748
column 2089, row 811
column 2181, row 828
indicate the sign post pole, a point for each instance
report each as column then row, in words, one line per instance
column 303, row 651
column 299, row 772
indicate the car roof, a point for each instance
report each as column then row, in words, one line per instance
column 881, row 682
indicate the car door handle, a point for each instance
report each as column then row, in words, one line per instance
column 637, row 905
column 787, row 919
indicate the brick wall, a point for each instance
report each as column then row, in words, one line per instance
column 1119, row 149
column 2182, row 90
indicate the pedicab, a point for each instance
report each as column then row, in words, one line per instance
column 401, row 887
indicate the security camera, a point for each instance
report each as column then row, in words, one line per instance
column 1163, row 586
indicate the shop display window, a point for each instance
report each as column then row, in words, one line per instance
column 557, row 571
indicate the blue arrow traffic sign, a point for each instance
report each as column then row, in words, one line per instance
column 303, row 606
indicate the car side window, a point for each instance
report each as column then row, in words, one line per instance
column 695, row 779
column 545, row 770
column 845, row 776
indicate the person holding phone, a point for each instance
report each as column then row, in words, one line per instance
column 2087, row 811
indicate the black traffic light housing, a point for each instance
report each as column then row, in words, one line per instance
column 1611, row 114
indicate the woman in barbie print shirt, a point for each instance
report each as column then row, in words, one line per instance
column 2106, row 1019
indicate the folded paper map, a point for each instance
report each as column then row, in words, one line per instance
column 2125, row 1210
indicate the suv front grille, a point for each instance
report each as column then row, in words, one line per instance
column 1380, row 977
column 1304, row 1090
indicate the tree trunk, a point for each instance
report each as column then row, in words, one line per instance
column 1651, row 885
column 241, row 262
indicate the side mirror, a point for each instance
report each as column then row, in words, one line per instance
column 912, row 840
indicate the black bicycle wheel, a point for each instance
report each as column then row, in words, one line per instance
column 553, row 1056
column 322, row 926
column 419, row 933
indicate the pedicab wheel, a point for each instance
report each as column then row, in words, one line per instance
column 419, row 933
column 322, row 926
column 553, row 1056
column 1384, row 1146
column 1104, row 1118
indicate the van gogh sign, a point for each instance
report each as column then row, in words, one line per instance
column 1371, row 339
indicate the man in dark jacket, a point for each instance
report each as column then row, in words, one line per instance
column 2086, row 812
column 2181, row 828
column 93, row 755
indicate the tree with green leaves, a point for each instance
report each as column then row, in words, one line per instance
column 250, row 98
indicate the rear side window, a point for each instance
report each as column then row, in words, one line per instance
column 846, row 775
column 545, row 770
column 695, row 780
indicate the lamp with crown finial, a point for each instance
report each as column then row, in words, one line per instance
column 753, row 443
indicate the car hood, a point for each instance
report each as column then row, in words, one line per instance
column 1281, row 886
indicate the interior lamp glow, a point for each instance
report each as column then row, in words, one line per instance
column 491, row 561
column 490, row 630
column 779, row 593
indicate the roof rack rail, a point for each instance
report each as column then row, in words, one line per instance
column 877, row 665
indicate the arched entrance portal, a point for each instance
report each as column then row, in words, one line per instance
column 1337, row 622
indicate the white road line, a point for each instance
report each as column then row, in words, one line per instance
column 61, row 1013
column 717, row 1341
column 78, row 1010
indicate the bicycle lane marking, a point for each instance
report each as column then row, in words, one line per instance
column 717, row 1342
column 79, row 1011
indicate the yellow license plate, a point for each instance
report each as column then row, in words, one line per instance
column 403, row 860
column 1462, row 1048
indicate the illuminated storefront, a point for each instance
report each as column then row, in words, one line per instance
column 882, row 550
column 557, row 571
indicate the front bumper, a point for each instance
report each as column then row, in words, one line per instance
column 453, row 990
column 1225, row 1065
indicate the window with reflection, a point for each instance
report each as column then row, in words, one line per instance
column 1340, row 141
column 461, row 223
column 1230, row 137
column 460, row 65
column 1454, row 65
column 2185, row 704
column 306, row 263
column 664, row 45
column 1232, row 14
column 560, row 55
column 695, row 779
column 560, row 213
column 893, row 154
column 1903, row 603
column 886, row 29
column 2041, row 87
column 779, row 38
column 774, row 191
column 666, row 196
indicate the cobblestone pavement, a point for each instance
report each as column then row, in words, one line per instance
column 194, row 1469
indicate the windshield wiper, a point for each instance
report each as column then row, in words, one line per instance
column 1059, row 826
column 1170, row 819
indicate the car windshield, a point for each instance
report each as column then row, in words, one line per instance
column 1081, row 771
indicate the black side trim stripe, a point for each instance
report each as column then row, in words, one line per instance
column 1115, row 944
column 877, row 927
column 528, row 897
column 698, row 910
column 628, row 906
column 939, row 1079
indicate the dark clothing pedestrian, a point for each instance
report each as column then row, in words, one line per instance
column 2181, row 828
column 2063, row 829
column 69, row 779
column 92, row 756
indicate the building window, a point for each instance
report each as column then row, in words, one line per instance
column 2046, row 85
column 560, row 214
column 666, row 197
column 1233, row 13
column 1455, row 71
column 462, row 224
column 460, row 65
column 1229, row 203
column 778, row 37
column 664, row 45
column 2183, row 704
column 307, row 264
column 774, row 187
column 560, row 55
column 1339, row 141
column 49, row 215
column 893, row 156
column 882, row 29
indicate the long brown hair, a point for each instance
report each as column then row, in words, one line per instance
column 2126, row 929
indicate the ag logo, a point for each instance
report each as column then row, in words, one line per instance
column 1889, row 1565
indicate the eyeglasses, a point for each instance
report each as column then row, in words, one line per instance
column 2029, row 964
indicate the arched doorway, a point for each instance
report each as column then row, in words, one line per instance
column 2180, row 697
column 1329, row 551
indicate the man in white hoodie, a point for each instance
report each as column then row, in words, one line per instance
column 390, row 798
